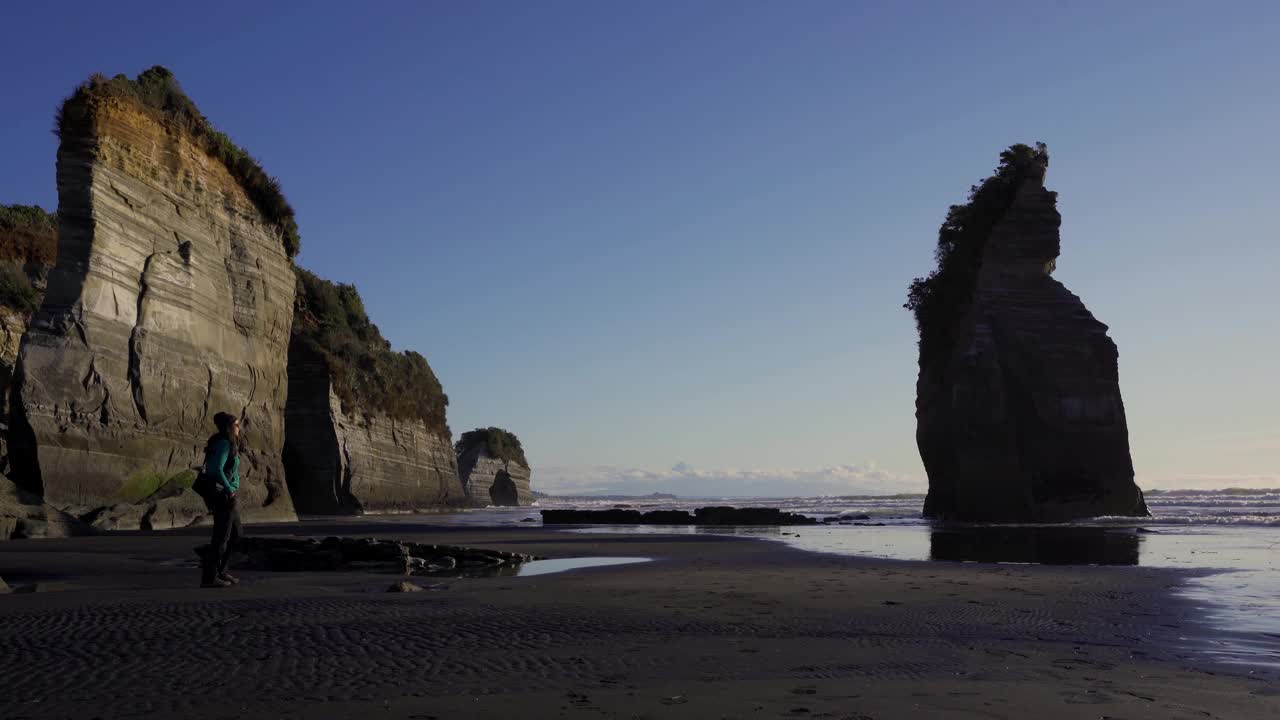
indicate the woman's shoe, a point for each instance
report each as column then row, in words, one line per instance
column 215, row 583
column 228, row 577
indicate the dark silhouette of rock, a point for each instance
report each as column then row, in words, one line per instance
column 748, row 516
column 591, row 517
column 284, row 554
column 503, row 492
column 668, row 517
column 1018, row 407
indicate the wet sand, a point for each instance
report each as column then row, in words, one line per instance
column 713, row 627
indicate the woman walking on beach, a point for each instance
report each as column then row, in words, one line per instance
column 221, row 480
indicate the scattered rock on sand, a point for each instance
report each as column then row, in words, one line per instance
column 285, row 554
column 404, row 586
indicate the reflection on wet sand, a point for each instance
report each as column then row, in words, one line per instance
column 1042, row 545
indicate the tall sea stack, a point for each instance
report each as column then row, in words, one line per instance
column 1018, row 410
column 171, row 300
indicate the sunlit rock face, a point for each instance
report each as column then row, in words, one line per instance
column 171, row 300
column 1022, row 419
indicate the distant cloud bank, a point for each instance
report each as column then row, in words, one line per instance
column 1209, row 481
column 683, row 479
column 855, row 479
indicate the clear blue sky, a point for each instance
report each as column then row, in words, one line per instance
column 643, row 234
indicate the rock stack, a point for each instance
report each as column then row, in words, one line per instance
column 171, row 300
column 1018, row 407
column 493, row 469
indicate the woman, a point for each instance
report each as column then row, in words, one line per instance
column 222, row 467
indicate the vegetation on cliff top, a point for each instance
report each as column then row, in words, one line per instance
column 330, row 321
column 945, row 294
column 499, row 443
column 157, row 91
column 28, row 237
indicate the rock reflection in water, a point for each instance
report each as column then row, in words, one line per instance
column 1043, row 545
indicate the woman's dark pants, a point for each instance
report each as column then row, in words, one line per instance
column 226, row 531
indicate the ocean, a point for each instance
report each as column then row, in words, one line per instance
column 1229, row 540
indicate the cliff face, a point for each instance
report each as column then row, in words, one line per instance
column 13, row 324
column 1021, row 418
column 171, row 300
column 490, row 481
column 28, row 246
column 341, row 462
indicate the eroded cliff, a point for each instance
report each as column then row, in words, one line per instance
column 172, row 299
column 493, row 469
column 28, row 246
column 1018, row 406
column 365, row 426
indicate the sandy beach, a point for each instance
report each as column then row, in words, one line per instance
column 712, row 627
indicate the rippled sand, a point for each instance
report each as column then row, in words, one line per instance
column 713, row 627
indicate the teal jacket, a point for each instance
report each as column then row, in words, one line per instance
column 215, row 466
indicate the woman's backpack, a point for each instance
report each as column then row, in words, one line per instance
column 206, row 488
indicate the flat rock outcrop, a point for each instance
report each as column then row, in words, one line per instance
column 493, row 469
column 1018, row 406
column 351, row 462
column 285, row 554
column 172, row 299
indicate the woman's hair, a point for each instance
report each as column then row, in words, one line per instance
column 224, row 421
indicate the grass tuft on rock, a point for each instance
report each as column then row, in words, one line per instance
column 28, row 248
column 943, row 296
column 157, row 91
column 499, row 443
column 16, row 292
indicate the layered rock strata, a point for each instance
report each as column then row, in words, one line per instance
column 490, row 481
column 351, row 462
column 1020, row 418
column 171, row 300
